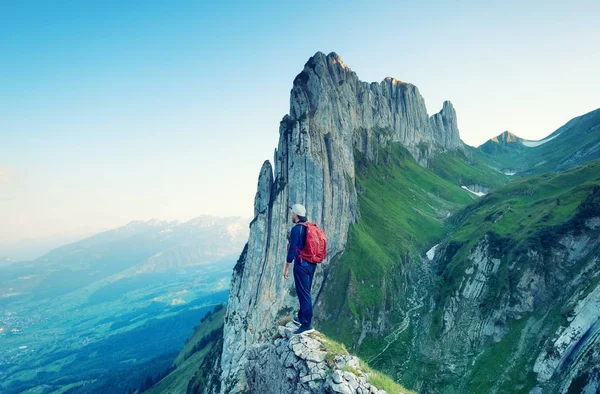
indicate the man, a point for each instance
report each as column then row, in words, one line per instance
column 303, row 270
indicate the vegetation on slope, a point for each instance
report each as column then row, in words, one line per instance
column 372, row 291
column 469, row 167
column 403, row 207
column 528, row 214
column 575, row 143
column 193, row 353
column 374, row 377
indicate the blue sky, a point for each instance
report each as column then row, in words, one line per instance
column 122, row 110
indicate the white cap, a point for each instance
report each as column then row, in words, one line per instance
column 299, row 209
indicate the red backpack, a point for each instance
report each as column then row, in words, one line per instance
column 315, row 246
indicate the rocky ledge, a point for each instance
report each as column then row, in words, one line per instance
column 306, row 363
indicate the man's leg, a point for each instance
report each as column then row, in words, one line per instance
column 313, row 268
column 302, row 280
column 297, row 285
column 311, row 273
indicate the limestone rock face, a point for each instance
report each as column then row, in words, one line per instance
column 331, row 113
column 297, row 364
column 445, row 127
column 575, row 339
column 563, row 355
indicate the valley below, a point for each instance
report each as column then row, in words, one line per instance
column 123, row 328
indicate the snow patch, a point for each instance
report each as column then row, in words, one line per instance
column 533, row 144
column 431, row 252
column 474, row 192
column 509, row 173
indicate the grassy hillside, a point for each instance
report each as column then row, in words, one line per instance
column 530, row 203
column 191, row 356
column 468, row 167
column 528, row 214
column 376, row 296
column 403, row 208
column 376, row 378
column 575, row 143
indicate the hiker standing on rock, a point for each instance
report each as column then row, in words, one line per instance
column 307, row 247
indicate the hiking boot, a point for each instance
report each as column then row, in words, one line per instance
column 303, row 330
column 296, row 321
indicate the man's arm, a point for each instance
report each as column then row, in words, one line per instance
column 286, row 270
column 291, row 251
column 295, row 233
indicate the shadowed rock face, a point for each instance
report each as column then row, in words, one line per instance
column 331, row 113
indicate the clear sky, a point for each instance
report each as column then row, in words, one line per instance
column 112, row 111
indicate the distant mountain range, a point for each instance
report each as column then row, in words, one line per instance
column 138, row 247
column 123, row 300
column 32, row 248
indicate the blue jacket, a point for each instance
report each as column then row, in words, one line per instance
column 297, row 237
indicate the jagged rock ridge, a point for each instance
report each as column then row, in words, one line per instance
column 332, row 113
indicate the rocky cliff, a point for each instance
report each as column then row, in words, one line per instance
column 506, row 302
column 308, row 364
column 515, row 307
column 332, row 113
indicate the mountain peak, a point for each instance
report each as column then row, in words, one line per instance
column 154, row 222
column 507, row 137
column 333, row 114
column 392, row 80
column 503, row 142
column 335, row 57
column 335, row 98
column 447, row 106
column 320, row 58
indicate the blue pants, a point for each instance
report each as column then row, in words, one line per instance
column 303, row 277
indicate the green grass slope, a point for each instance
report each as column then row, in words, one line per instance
column 403, row 208
column 530, row 213
column 576, row 142
column 524, row 210
column 191, row 356
column 374, row 377
column 468, row 167
column 375, row 296
column 530, row 203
